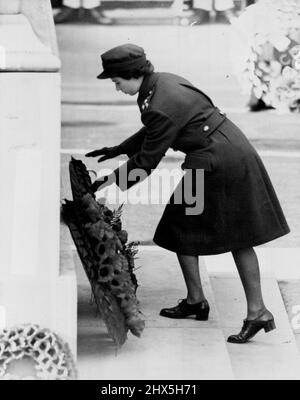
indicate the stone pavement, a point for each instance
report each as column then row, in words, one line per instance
column 187, row 349
column 271, row 357
column 168, row 349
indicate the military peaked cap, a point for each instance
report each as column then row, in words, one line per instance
column 122, row 59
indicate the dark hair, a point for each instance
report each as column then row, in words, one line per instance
column 136, row 73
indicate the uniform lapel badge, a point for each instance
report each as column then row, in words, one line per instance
column 145, row 105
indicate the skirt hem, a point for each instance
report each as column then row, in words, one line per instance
column 222, row 249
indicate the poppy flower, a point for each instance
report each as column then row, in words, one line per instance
column 105, row 273
column 96, row 230
column 119, row 281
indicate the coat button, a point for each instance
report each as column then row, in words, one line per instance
column 206, row 128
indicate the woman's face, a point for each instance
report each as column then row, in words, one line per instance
column 128, row 86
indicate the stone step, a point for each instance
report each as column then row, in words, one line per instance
column 168, row 16
column 269, row 357
column 148, row 16
column 168, row 349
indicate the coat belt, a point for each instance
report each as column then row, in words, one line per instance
column 212, row 123
column 199, row 159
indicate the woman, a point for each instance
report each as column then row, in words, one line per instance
column 241, row 209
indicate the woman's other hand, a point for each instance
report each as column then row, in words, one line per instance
column 107, row 152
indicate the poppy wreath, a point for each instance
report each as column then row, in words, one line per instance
column 270, row 69
column 107, row 258
column 53, row 359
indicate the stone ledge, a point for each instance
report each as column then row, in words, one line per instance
column 20, row 48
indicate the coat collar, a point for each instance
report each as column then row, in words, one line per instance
column 147, row 87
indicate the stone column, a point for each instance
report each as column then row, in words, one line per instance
column 34, row 286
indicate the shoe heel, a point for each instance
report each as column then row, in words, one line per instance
column 269, row 326
column 203, row 316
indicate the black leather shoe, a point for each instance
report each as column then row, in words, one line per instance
column 183, row 310
column 250, row 329
column 95, row 16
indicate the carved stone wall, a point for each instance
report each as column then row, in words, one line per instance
column 35, row 287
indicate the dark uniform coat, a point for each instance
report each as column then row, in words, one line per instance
column 241, row 208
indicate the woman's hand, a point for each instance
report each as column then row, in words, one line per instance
column 107, row 152
column 103, row 182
